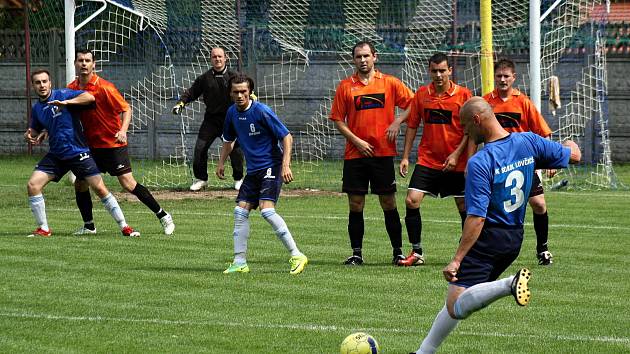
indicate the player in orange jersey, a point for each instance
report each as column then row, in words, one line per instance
column 517, row 113
column 106, row 136
column 363, row 112
column 442, row 153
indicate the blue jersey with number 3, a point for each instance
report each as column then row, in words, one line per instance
column 499, row 177
column 259, row 132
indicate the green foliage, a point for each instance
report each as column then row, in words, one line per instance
column 106, row 293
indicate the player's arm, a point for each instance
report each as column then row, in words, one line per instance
column 365, row 148
column 394, row 128
column 470, row 234
column 226, row 149
column 576, row 154
column 451, row 160
column 410, row 136
column 121, row 136
column 287, row 145
column 190, row 94
column 82, row 100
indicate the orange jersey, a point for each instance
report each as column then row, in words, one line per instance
column 442, row 132
column 518, row 113
column 100, row 124
column 368, row 110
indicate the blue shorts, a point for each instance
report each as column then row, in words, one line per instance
column 82, row 165
column 261, row 185
column 496, row 248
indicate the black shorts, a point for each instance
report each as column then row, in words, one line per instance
column 496, row 248
column 260, row 185
column 82, row 165
column 437, row 183
column 114, row 161
column 537, row 186
column 374, row 172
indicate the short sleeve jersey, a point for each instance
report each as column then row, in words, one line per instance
column 102, row 122
column 259, row 132
column 499, row 177
column 65, row 133
column 518, row 113
column 442, row 131
column 368, row 110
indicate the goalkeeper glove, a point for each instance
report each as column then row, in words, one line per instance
column 253, row 97
column 177, row 109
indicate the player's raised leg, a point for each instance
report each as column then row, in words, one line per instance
column 144, row 195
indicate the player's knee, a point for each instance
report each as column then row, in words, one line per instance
column 33, row 188
column 538, row 206
column 412, row 202
column 450, row 307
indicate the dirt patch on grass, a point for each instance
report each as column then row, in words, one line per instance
column 220, row 194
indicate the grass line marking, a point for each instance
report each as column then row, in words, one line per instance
column 307, row 327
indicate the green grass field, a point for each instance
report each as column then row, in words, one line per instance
column 109, row 294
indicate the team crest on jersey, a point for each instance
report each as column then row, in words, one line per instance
column 509, row 119
column 369, row 101
column 438, row 116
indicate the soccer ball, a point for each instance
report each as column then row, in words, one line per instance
column 359, row 343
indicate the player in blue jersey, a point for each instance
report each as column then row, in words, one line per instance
column 55, row 113
column 498, row 182
column 266, row 144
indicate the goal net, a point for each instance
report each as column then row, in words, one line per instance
column 299, row 50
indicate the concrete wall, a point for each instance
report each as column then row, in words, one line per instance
column 159, row 137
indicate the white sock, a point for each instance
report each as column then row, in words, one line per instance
column 38, row 207
column 111, row 204
column 281, row 230
column 241, row 234
column 481, row 295
column 442, row 326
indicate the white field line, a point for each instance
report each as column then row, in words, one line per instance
column 305, row 327
column 332, row 217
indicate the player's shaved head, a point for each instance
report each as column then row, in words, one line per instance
column 479, row 121
column 474, row 106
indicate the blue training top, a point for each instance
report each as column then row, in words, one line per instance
column 259, row 132
column 65, row 132
column 499, row 177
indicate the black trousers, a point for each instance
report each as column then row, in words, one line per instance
column 212, row 128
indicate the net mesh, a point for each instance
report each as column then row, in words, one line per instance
column 299, row 50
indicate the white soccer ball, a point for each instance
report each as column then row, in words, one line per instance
column 359, row 343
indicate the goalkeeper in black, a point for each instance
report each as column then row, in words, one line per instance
column 213, row 85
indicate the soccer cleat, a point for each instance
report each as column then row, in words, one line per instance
column 167, row 224
column 414, row 259
column 130, row 232
column 198, row 185
column 41, row 233
column 237, row 268
column 238, row 184
column 520, row 289
column 354, row 260
column 84, row 231
column 297, row 264
column 398, row 259
column 545, row 258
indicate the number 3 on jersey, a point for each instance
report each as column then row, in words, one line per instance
column 516, row 191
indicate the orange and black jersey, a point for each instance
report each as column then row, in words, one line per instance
column 368, row 110
column 442, row 131
column 517, row 113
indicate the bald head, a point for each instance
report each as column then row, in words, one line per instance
column 474, row 106
column 479, row 122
